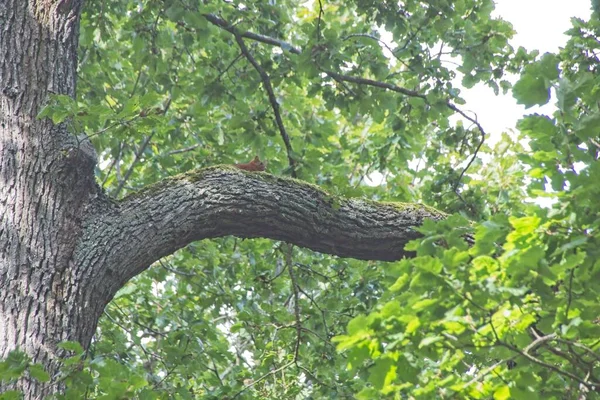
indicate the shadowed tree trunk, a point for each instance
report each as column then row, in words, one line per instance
column 65, row 248
column 46, row 183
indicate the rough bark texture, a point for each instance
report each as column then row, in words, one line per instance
column 65, row 249
column 124, row 238
column 45, row 184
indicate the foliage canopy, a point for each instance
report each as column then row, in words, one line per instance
column 169, row 86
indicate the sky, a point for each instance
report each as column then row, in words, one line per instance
column 540, row 24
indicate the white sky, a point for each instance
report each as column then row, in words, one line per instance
column 540, row 24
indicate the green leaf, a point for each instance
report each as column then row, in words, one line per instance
column 502, row 393
column 71, row 346
column 588, row 127
column 382, row 373
column 36, row 371
column 11, row 395
column 428, row 264
column 429, row 340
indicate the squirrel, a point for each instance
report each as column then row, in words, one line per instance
column 254, row 165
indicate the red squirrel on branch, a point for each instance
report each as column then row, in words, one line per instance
column 254, row 165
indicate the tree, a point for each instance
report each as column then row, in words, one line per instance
column 133, row 169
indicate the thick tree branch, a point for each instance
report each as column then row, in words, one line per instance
column 221, row 201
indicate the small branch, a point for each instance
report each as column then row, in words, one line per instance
column 290, row 267
column 183, row 150
column 215, row 20
column 231, row 64
column 272, row 99
column 137, row 81
column 109, row 127
column 375, row 38
column 569, row 298
column 262, row 378
column 532, row 346
column 113, row 163
column 175, row 271
column 537, row 342
column 581, row 346
column 413, row 93
column 371, row 82
column 320, row 18
column 486, row 371
column 322, row 316
column 481, row 131
column 138, row 155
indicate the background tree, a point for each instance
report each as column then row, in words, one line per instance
column 167, row 87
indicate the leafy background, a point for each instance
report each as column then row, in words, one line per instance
column 511, row 314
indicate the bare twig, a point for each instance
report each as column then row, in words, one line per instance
column 175, row 271
column 486, row 371
column 569, row 298
column 109, row 127
column 138, row 155
column 532, row 346
column 229, row 66
column 322, row 316
column 272, row 99
column 537, row 342
column 288, row 261
column 183, row 150
column 262, row 378
column 320, row 18
column 581, row 346
column 481, row 131
column 371, row 82
column 220, row 22
column 113, row 163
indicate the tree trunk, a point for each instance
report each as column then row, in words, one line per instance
column 46, row 182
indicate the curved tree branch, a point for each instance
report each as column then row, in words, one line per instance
column 220, row 201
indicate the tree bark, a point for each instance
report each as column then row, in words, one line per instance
column 46, row 181
column 122, row 239
column 65, row 249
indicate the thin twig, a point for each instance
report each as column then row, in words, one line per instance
column 118, row 123
column 481, row 131
column 569, row 298
column 113, row 163
column 288, row 261
column 581, row 346
column 220, row 22
column 319, row 19
column 371, row 82
column 221, row 73
column 175, row 271
column 486, row 371
column 532, row 346
column 265, row 376
column 183, row 150
column 138, row 155
column 272, row 99
column 552, row 367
